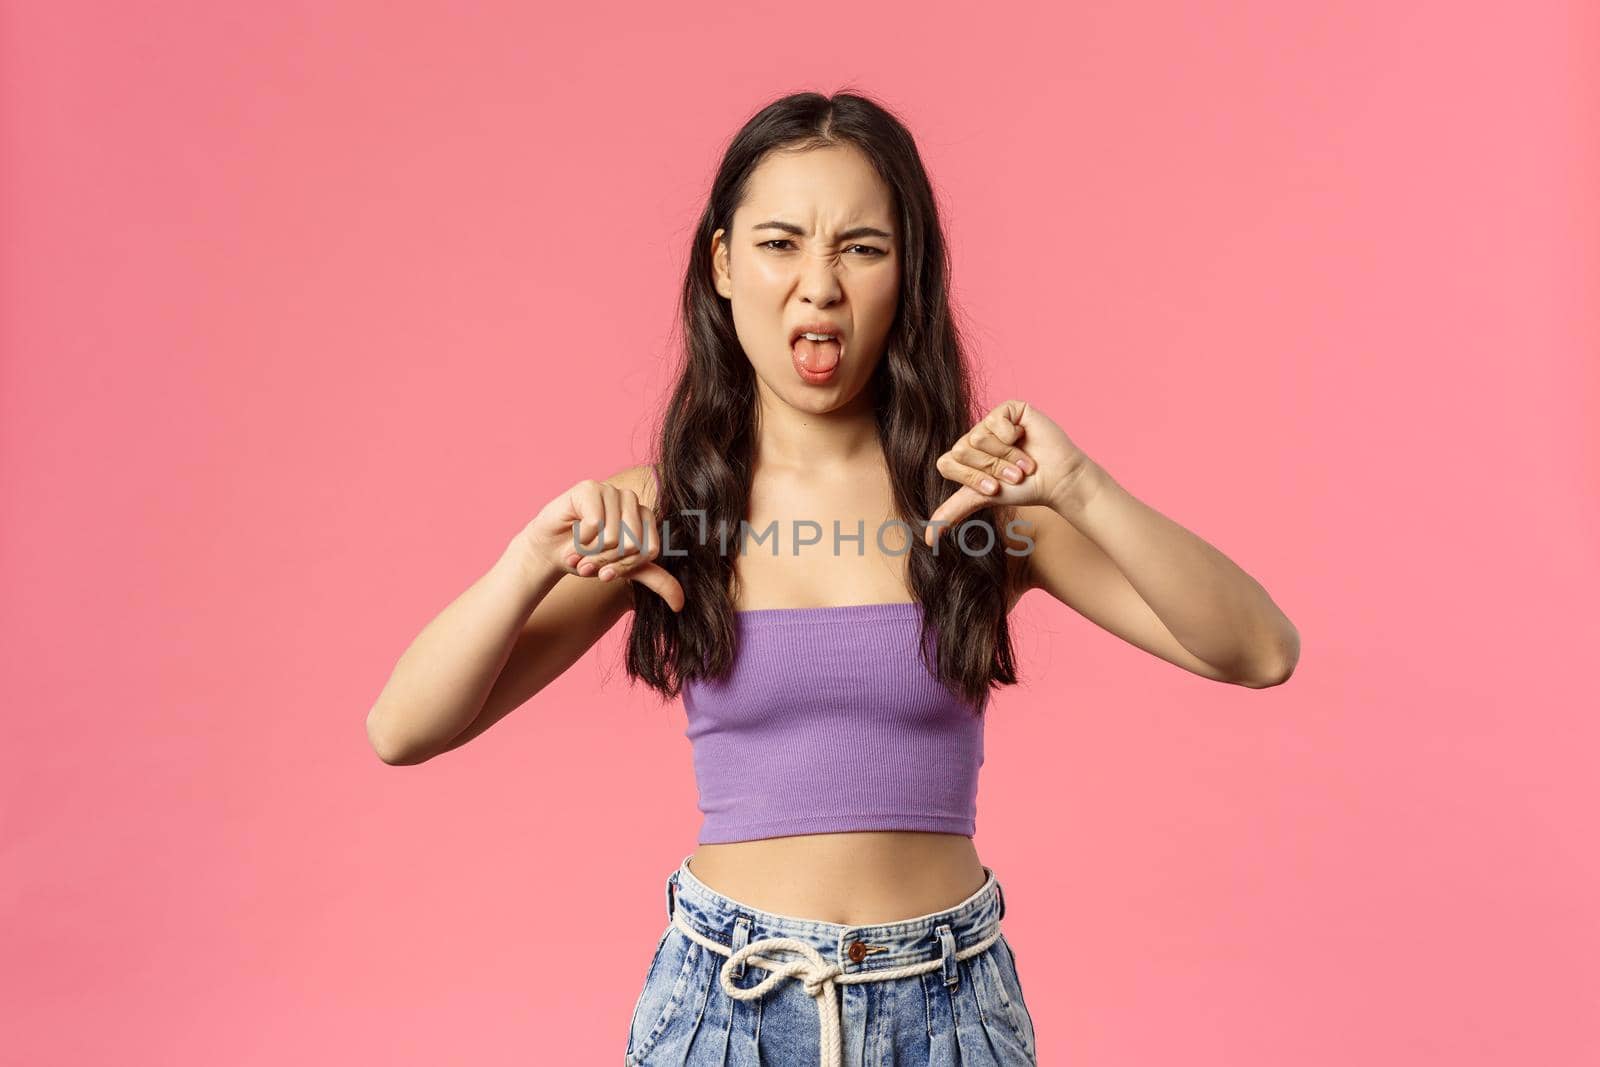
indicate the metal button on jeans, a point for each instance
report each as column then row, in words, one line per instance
column 857, row 952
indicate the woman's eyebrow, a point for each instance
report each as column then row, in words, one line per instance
column 854, row 231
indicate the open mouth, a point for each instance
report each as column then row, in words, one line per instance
column 816, row 358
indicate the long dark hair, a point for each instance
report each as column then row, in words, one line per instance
column 921, row 394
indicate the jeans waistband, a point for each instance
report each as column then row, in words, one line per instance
column 870, row 947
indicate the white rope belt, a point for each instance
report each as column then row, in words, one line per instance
column 819, row 976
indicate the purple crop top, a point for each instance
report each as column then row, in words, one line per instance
column 827, row 721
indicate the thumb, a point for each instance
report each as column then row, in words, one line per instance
column 961, row 503
column 661, row 582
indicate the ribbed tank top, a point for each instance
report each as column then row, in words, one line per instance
column 829, row 721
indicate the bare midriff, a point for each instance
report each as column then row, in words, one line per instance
column 855, row 879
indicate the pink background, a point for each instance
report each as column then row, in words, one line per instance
column 306, row 310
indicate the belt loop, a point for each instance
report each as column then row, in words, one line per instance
column 947, row 949
column 672, row 882
column 741, row 938
column 1001, row 894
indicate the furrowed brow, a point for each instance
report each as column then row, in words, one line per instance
column 846, row 235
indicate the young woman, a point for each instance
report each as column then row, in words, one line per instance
column 832, row 614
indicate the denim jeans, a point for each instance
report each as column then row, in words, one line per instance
column 960, row 1009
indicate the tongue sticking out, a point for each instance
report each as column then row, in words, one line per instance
column 816, row 356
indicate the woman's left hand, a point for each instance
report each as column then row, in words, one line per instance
column 1046, row 471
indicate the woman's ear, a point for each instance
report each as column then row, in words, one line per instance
column 719, row 265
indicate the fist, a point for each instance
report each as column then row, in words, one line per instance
column 1015, row 455
column 598, row 530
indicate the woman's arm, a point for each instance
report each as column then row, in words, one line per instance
column 511, row 633
column 1139, row 575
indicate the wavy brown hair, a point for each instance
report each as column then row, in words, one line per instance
column 921, row 394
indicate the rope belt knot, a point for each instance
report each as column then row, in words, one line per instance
column 820, row 978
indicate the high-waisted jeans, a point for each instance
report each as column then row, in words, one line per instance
column 730, row 984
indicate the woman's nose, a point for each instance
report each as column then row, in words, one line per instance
column 819, row 281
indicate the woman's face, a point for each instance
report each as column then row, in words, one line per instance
column 815, row 242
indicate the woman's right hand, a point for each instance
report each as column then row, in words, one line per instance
column 601, row 510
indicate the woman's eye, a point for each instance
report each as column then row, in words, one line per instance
column 865, row 248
